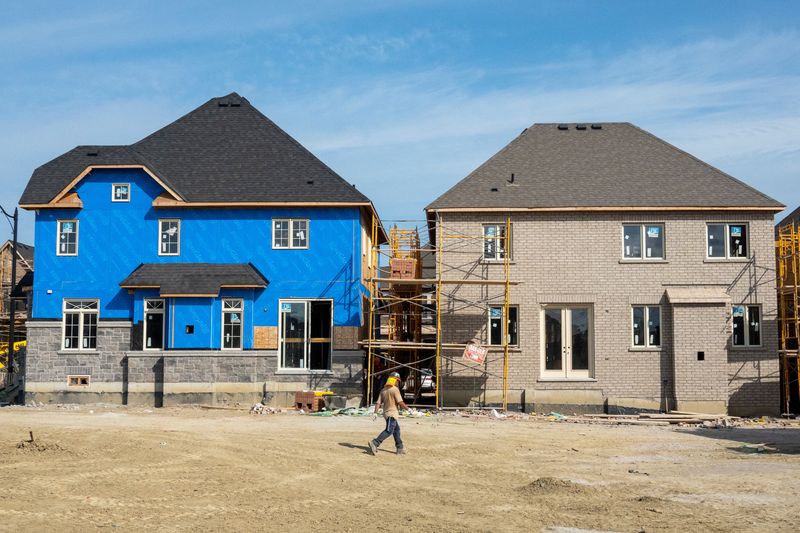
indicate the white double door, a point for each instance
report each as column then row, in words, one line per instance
column 567, row 341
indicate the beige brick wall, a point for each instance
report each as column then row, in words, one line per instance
column 563, row 258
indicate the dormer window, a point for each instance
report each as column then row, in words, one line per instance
column 121, row 192
column 169, row 237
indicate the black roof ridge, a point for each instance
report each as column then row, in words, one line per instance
column 506, row 147
column 309, row 152
column 708, row 165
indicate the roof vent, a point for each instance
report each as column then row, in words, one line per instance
column 236, row 104
column 597, row 126
column 580, row 127
column 310, row 182
column 563, row 127
column 223, row 103
column 523, row 131
column 494, row 189
column 92, row 153
column 511, row 179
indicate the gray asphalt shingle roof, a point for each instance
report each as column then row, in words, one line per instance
column 194, row 278
column 613, row 165
column 223, row 151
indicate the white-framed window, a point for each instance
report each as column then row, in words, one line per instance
column 67, row 239
column 79, row 327
column 642, row 241
column 232, row 320
column 290, row 233
column 121, row 192
column 154, row 323
column 726, row 240
column 169, row 236
column 495, row 242
column 746, row 325
column 306, row 334
column 495, row 325
column 646, row 326
column 567, row 342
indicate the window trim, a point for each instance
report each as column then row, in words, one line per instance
column 58, row 236
column 505, row 325
column 291, row 222
column 566, row 373
column 81, row 313
column 747, row 344
column 158, row 243
column 647, row 345
column 643, row 239
column 307, row 343
column 727, row 239
column 509, row 251
column 240, row 309
column 113, row 190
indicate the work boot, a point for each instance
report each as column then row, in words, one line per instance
column 400, row 451
column 372, row 448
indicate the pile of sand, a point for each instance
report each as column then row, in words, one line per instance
column 551, row 485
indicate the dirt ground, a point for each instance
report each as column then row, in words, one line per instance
column 192, row 469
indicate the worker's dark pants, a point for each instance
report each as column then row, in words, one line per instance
column 392, row 429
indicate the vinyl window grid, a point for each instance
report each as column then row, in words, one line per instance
column 169, row 236
column 232, row 323
column 121, row 192
column 79, row 324
column 643, row 242
column 646, row 328
column 290, row 233
column 727, row 231
column 495, row 243
column 67, row 238
column 746, row 322
column 495, row 322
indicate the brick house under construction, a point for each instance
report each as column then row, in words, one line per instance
column 640, row 277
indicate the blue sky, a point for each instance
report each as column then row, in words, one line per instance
column 406, row 98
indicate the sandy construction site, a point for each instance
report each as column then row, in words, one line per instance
column 192, row 469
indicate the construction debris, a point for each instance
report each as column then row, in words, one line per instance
column 261, row 409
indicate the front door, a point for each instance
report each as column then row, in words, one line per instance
column 567, row 337
column 154, row 324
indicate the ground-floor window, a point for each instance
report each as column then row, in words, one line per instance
column 746, row 325
column 154, row 324
column 567, row 341
column 232, row 314
column 306, row 328
column 80, row 324
column 496, row 326
column 646, row 326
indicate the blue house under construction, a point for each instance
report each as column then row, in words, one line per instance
column 216, row 259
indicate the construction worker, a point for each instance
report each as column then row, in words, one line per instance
column 390, row 398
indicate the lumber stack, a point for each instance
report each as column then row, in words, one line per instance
column 659, row 419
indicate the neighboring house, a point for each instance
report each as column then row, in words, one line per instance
column 216, row 259
column 645, row 276
column 15, row 288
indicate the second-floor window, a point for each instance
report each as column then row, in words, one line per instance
column 290, row 233
column 169, row 237
column 726, row 241
column 495, row 243
column 643, row 241
column 746, row 325
column 67, row 237
column 121, row 192
column 646, row 326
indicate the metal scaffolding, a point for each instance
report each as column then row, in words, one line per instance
column 403, row 294
column 788, row 272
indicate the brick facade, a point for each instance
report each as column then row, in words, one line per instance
column 576, row 258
